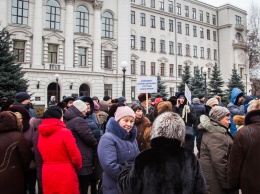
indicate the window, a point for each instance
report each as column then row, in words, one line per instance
column 201, row 16
column 133, row 1
column 142, row 67
column 152, row 68
column 142, row 19
column 209, row 73
column 162, row 69
column 143, row 43
column 214, row 19
column 201, row 52
column 207, row 16
column 201, row 33
column 187, row 29
column 161, row 4
column 133, row 41
column 82, row 20
column 171, row 25
column 82, row 56
column 53, row 15
column 187, row 50
column 208, row 34
column 179, row 27
column 193, row 13
column 208, row 53
column 142, row 2
column 186, row 11
column 238, row 19
column 132, row 17
column 179, row 70
column 171, row 48
column 241, row 72
column 107, row 25
column 153, row 44
column 171, row 91
column 132, row 67
column 153, row 3
column 108, row 90
column 20, row 12
column 195, row 31
column 178, row 9
column 162, row 46
column 108, row 59
column 214, row 35
column 162, row 23
column 171, row 70
column 239, row 37
column 195, row 51
column 152, row 21
column 215, row 54
column 52, row 53
column 133, row 92
column 195, row 69
column 170, row 6
column 19, row 48
column 179, row 49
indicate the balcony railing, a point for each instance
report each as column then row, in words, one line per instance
column 240, row 45
column 240, row 27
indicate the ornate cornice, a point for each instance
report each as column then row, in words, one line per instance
column 71, row 2
column 98, row 4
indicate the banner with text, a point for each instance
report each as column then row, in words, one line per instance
column 146, row 85
column 187, row 93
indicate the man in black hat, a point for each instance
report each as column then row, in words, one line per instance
column 23, row 99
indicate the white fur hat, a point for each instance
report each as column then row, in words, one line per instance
column 169, row 125
column 80, row 105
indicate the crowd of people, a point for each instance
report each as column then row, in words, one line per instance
column 87, row 145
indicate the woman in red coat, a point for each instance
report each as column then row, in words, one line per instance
column 60, row 154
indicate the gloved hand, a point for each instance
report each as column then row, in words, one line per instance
column 187, row 108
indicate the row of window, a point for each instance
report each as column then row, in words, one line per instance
column 53, row 17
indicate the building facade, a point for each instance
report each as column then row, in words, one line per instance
column 76, row 47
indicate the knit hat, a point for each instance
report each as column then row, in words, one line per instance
column 22, row 96
column 195, row 100
column 218, row 112
column 136, row 106
column 124, row 111
column 157, row 100
column 67, row 99
column 142, row 97
column 106, row 98
column 121, row 100
column 52, row 112
column 211, row 102
column 169, row 125
column 80, row 105
column 95, row 98
column 96, row 106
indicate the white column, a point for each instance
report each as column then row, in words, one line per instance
column 97, row 5
column 37, row 35
column 3, row 14
column 69, row 32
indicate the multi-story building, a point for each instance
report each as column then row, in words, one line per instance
column 80, row 44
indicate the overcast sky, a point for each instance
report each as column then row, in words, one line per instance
column 243, row 4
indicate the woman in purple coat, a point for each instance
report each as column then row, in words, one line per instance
column 117, row 147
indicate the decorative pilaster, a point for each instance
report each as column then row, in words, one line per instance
column 45, row 53
column 60, row 54
column 28, row 51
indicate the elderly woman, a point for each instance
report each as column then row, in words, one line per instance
column 117, row 147
column 166, row 167
column 215, row 146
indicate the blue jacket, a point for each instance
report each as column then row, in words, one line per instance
column 116, row 147
column 234, row 108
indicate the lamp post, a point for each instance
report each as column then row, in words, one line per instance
column 124, row 65
column 246, row 82
column 204, row 71
column 57, row 81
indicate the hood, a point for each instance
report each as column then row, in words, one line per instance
column 72, row 112
column 211, row 125
column 50, row 126
column 90, row 101
column 234, row 94
column 252, row 117
column 114, row 127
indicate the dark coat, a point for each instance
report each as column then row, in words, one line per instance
column 84, row 138
column 15, row 155
column 165, row 168
column 116, row 147
column 243, row 163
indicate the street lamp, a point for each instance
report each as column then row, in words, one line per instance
column 204, row 71
column 246, row 82
column 124, row 65
column 57, row 81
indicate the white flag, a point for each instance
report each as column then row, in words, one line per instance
column 187, row 93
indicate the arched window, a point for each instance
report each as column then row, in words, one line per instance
column 53, row 15
column 82, row 20
column 239, row 37
column 208, row 53
column 107, row 25
column 20, row 11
